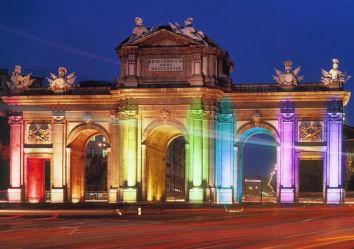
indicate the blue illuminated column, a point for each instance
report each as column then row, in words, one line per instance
column 287, row 157
column 333, row 161
column 224, row 159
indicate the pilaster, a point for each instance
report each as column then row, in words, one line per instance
column 287, row 154
column 15, row 191
column 58, row 169
column 333, row 162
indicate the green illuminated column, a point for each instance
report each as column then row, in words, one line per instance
column 195, row 174
column 128, row 134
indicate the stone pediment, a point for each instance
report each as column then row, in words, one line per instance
column 163, row 37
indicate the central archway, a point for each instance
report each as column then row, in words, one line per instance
column 77, row 142
column 157, row 140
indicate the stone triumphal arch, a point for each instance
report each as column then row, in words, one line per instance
column 172, row 123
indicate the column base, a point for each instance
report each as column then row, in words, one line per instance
column 57, row 195
column 334, row 195
column 129, row 195
column 224, row 195
column 196, row 195
column 112, row 195
column 14, row 195
column 287, row 195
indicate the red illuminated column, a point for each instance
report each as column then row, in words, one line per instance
column 16, row 160
column 58, row 169
column 35, row 180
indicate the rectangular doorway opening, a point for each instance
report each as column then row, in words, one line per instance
column 311, row 181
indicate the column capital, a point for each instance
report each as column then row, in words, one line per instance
column 58, row 117
column 15, row 118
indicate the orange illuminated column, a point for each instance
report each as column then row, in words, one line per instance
column 16, row 162
column 35, row 180
column 58, row 174
column 113, row 161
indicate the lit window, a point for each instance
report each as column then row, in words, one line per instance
column 93, row 139
column 104, row 152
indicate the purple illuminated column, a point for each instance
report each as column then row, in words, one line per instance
column 286, row 169
column 333, row 180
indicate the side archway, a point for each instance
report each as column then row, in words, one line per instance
column 244, row 133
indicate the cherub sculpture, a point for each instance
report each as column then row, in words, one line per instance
column 18, row 81
column 61, row 82
column 289, row 77
column 188, row 30
column 334, row 75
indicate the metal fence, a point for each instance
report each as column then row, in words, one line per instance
column 96, row 196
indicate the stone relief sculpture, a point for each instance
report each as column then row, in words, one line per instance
column 139, row 29
column 62, row 81
column 17, row 81
column 38, row 134
column 310, row 131
column 334, row 75
column 289, row 77
column 188, row 30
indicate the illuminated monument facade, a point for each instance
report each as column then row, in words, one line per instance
column 174, row 83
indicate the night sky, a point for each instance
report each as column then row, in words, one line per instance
column 259, row 35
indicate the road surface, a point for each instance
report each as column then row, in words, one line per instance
column 247, row 227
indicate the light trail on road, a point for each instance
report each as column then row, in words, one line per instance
column 269, row 227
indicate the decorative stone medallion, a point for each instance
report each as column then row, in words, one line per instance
column 38, row 133
column 310, row 131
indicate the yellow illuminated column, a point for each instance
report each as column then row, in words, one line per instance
column 113, row 161
column 15, row 192
column 128, row 132
column 58, row 172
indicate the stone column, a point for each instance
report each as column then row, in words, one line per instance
column 333, row 161
column 144, row 173
column 113, row 161
column 224, row 158
column 15, row 191
column 67, row 174
column 57, row 167
column 211, row 134
column 235, row 179
column 195, row 168
column 128, row 136
column 287, row 157
column 187, row 185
